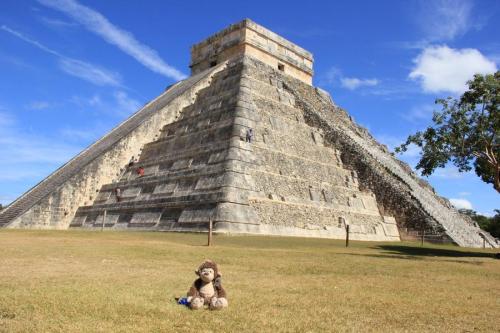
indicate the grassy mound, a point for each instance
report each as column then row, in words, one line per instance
column 74, row 281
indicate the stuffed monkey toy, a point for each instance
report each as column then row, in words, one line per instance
column 207, row 289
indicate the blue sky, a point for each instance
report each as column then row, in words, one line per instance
column 70, row 71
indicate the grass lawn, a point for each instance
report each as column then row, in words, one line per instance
column 78, row 281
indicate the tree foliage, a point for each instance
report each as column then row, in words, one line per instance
column 465, row 132
column 490, row 224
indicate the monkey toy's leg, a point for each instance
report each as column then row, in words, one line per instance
column 218, row 303
column 197, row 303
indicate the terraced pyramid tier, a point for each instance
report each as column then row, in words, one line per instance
column 286, row 181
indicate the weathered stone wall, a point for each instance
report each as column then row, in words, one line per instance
column 301, row 186
column 398, row 190
column 291, row 66
column 191, row 170
column 249, row 38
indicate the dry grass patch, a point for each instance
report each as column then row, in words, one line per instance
column 69, row 281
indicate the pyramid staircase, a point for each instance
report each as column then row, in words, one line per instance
column 15, row 214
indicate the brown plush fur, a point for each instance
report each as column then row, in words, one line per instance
column 199, row 287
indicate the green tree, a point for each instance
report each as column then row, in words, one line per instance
column 494, row 225
column 465, row 132
column 490, row 224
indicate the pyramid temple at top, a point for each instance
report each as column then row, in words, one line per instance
column 307, row 170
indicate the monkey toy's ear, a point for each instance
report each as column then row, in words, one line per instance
column 197, row 272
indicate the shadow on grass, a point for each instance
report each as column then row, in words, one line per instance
column 431, row 252
column 416, row 253
column 398, row 256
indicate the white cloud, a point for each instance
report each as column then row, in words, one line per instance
column 448, row 172
column 38, row 105
column 125, row 104
column 461, row 203
column 117, row 103
column 83, row 135
column 352, row 83
column 95, row 100
column 124, row 40
column 446, row 19
column 27, row 148
column 334, row 76
column 78, row 68
column 31, row 41
column 88, row 72
column 5, row 118
column 443, row 69
column 56, row 23
column 28, row 156
column 25, row 155
column 72, row 134
column 464, row 194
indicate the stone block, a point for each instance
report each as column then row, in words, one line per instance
column 170, row 216
column 389, row 220
column 231, row 212
column 356, row 228
column 238, row 180
column 370, row 203
column 131, row 192
column 236, row 195
column 78, row 220
column 186, row 184
column 240, row 155
column 356, row 203
column 276, row 124
column 150, row 170
column 209, row 182
column 109, row 220
column 197, row 214
column 103, row 196
column 165, row 188
column 217, row 157
column 181, row 164
column 314, row 194
column 145, row 218
column 317, row 138
column 391, row 230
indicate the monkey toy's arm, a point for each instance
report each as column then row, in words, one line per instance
column 193, row 292
column 221, row 293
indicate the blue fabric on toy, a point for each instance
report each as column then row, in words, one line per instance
column 183, row 301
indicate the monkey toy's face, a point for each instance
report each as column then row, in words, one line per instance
column 207, row 274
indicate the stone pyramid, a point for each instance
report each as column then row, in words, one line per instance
column 308, row 170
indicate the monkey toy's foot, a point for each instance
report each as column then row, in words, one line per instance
column 196, row 303
column 218, row 303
